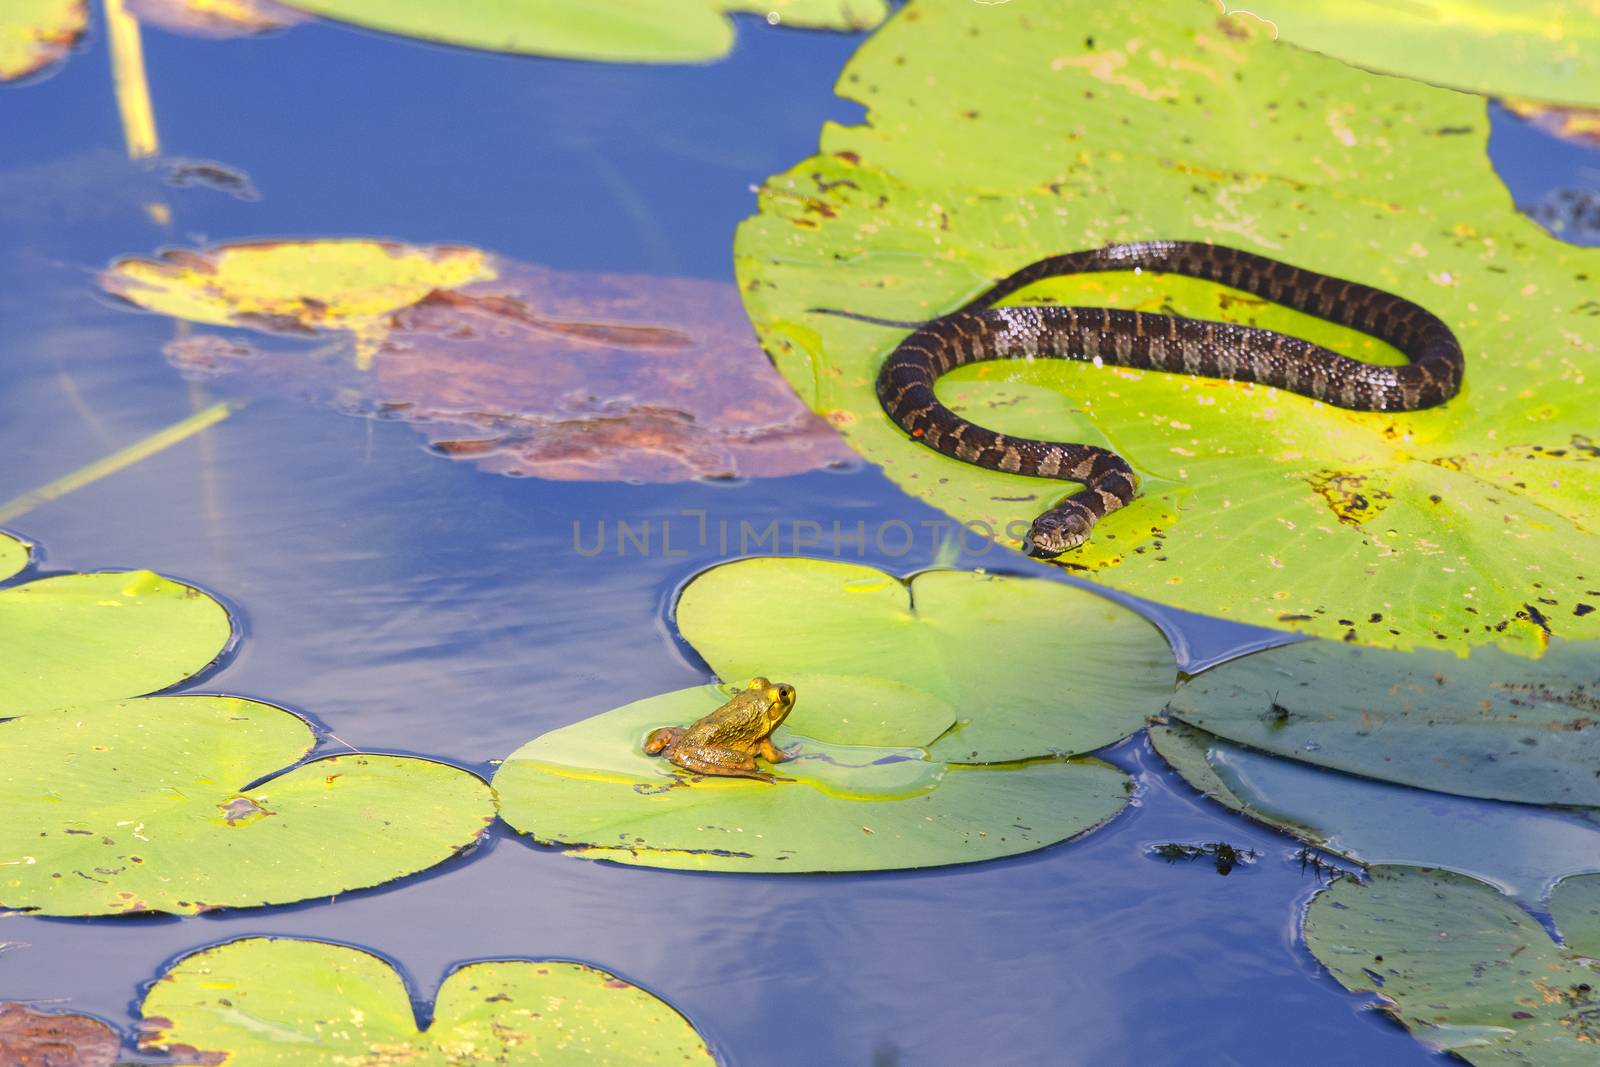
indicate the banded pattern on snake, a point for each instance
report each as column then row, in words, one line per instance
column 979, row 332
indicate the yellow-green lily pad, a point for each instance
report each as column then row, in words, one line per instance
column 1078, row 124
column 297, row 286
column 1544, row 49
column 621, row 31
column 13, row 555
column 148, row 805
column 79, row 638
column 265, row 1000
column 1461, row 966
column 1493, row 725
column 977, row 668
column 37, row 33
column 590, row 789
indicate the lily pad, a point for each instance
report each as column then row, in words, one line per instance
column 1575, row 907
column 296, row 286
column 78, row 638
column 1522, row 848
column 591, row 790
column 1081, row 124
column 1020, row 667
column 148, row 805
column 513, row 367
column 33, row 1038
column 1545, row 49
column 622, row 31
column 37, row 33
column 1493, row 725
column 1462, row 967
column 13, row 556
column 265, row 1000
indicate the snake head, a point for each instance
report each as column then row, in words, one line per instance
column 1058, row 530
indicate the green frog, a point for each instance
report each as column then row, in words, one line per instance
column 727, row 741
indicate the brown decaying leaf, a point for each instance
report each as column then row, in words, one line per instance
column 33, row 1038
column 565, row 376
column 217, row 18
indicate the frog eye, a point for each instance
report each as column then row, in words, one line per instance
column 759, row 683
column 784, row 693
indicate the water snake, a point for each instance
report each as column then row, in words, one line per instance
column 979, row 332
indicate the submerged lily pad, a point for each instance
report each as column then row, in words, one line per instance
column 33, row 1038
column 1020, row 667
column 1492, row 725
column 627, row 31
column 266, row 1000
column 1571, row 214
column 1575, row 907
column 78, row 638
column 216, row 18
column 1462, row 967
column 529, row 371
column 37, row 33
column 13, row 556
column 1523, row 848
column 1077, row 124
column 1545, row 49
column 1580, row 125
column 591, row 789
column 147, row 805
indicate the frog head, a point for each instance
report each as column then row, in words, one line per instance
column 777, row 700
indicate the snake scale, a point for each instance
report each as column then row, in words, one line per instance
column 979, row 332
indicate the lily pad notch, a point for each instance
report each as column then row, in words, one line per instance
column 261, row 1000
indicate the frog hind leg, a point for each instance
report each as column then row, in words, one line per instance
column 720, row 762
column 662, row 739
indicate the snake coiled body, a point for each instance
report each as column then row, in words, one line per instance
column 979, row 332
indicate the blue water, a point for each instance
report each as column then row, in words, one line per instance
column 409, row 604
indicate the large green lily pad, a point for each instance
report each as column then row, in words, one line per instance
column 1522, row 847
column 1492, row 725
column 37, row 33
column 1020, row 667
column 1079, row 124
column 1545, row 49
column 268, row 1001
column 79, row 638
column 147, row 805
column 13, row 555
column 624, row 31
column 1463, row 967
column 590, row 789
column 1575, row 907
